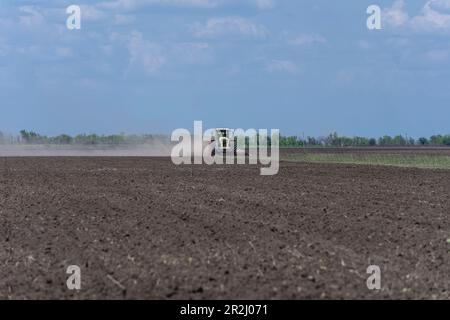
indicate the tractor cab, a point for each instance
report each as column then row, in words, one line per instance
column 225, row 143
column 223, row 139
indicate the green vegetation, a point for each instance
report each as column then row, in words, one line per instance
column 31, row 137
column 334, row 140
column 399, row 160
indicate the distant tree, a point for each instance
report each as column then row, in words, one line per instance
column 446, row 140
column 399, row 140
column 311, row 141
column 361, row 141
column 385, row 141
column 24, row 135
column 436, row 140
column 291, row 141
column 32, row 137
column 423, row 141
column 333, row 140
column 62, row 139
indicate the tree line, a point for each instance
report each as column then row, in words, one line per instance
column 335, row 140
column 31, row 137
column 332, row 140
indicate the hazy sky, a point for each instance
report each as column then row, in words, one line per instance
column 303, row 66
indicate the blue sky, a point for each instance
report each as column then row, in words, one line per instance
column 306, row 66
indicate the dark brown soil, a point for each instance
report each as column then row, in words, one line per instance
column 142, row 228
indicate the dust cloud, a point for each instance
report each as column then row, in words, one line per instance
column 154, row 149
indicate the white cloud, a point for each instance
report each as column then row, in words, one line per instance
column 133, row 4
column 441, row 4
column 431, row 19
column 192, row 52
column 285, row 66
column 307, row 39
column 91, row 13
column 434, row 16
column 152, row 56
column 264, row 4
column 228, row 26
column 395, row 15
column 31, row 18
column 145, row 54
column 115, row 8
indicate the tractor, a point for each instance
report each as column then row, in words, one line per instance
column 225, row 142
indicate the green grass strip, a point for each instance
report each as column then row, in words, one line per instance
column 398, row 160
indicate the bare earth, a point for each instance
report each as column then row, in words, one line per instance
column 142, row 228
